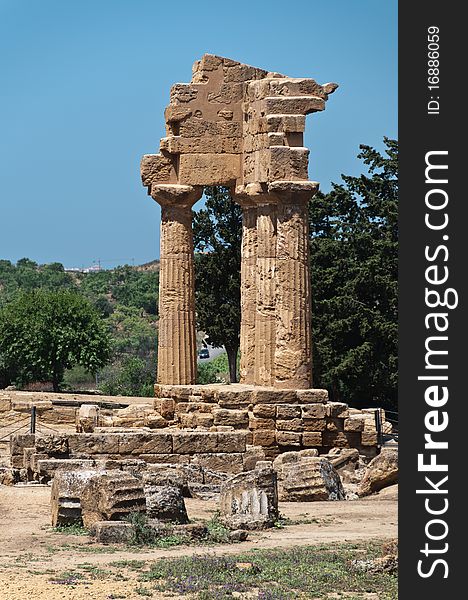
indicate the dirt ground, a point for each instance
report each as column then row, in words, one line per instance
column 32, row 555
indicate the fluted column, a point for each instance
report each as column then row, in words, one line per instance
column 248, row 291
column 293, row 352
column 177, row 352
column 265, row 322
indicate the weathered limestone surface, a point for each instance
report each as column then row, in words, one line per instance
column 67, row 487
column 88, row 417
column 111, row 496
column 112, row 532
column 265, row 319
column 250, row 500
column 305, row 478
column 165, row 503
column 240, row 127
column 248, row 292
column 177, row 359
column 381, row 472
column 293, row 349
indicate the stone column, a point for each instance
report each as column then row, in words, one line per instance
column 177, row 351
column 248, row 291
column 293, row 352
column 265, row 323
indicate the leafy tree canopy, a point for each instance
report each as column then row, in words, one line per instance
column 354, row 236
column 43, row 332
column 217, row 238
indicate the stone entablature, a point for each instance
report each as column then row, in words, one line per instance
column 241, row 127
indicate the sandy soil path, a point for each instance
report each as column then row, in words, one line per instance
column 31, row 554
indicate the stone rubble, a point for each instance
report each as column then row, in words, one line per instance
column 305, row 478
column 381, row 472
column 250, row 500
column 111, row 496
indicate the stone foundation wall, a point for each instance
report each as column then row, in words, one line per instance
column 226, row 451
column 277, row 420
column 272, row 419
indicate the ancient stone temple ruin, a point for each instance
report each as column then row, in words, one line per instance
column 241, row 127
column 272, row 436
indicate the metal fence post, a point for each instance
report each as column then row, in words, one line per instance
column 32, row 428
column 378, row 427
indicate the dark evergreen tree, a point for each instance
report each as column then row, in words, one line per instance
column 354, row 237
column 217, row 238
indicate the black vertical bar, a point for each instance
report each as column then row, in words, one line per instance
column 32, row 428
column 432, row 523
column 378, row 427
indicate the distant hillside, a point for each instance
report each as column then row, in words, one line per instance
column 149, row 266
column 135, row 287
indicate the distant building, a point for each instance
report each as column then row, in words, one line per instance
column 92, row 269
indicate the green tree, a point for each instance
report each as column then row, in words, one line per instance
column 42, row 333
column 125, row 286
column 217, row 238
column 133, row 376
column 27, row 275
column 354, row 237
column 131, row 334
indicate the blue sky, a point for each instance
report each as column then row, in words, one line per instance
column 84, row 84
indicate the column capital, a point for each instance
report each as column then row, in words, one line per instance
column 175, row 195
column 292, row 192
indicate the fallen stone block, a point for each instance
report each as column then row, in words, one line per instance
column 67, row 486
column 165, row 503
column 183, row 476
column 193, row 531
column 381, row 472
column 113, row 532
column 252, row 455
column 250, row 500
column 204, row 491
column 111, row 496
column 308, row 479
column 292, row 457
column 87, row 418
